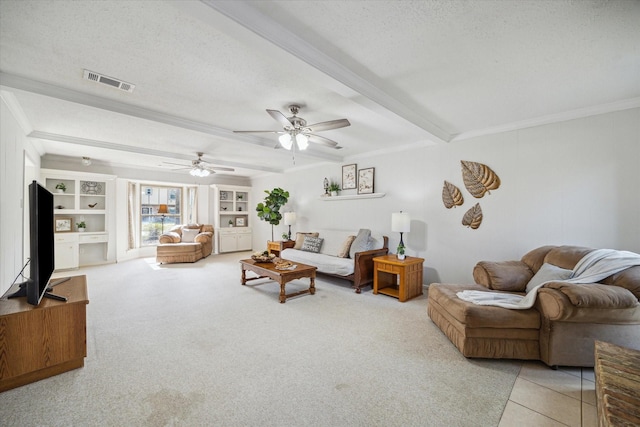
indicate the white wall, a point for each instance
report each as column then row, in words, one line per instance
column 575, row 182
column 14, row 149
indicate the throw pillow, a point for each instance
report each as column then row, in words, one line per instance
column 547, row 273
column 360, row 243
column 344, row 250
column 312, row 244
column 189, row 234
column 300, row 239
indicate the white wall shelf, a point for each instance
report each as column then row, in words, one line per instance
column 352, row 197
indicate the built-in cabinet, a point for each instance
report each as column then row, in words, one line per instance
column 85, row 198
column 232, row 219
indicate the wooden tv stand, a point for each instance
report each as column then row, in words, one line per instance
column 43, row 341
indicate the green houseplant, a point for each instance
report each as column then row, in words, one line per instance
column 60, row 186
column 400, row 251
column 81, row 226
column 269, row 209
column 334, row 188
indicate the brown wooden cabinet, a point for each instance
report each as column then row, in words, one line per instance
column 279, row 246
column 43, row 341
column 401, row 279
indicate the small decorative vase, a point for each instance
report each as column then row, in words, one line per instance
column 59, row 190
column 81, row 230
column 401, row 256
column 334, row 193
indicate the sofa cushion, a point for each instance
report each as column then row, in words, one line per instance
column 361, row 242
column 346, row 245
column 535, row 258
column 189, row 234
column 628, row 279
column 311, row 244
column 300, row 239
column 333, row 240
column 566, row 256
column 547, row 273
column 480, row 316
column 325, row 263
column 502, row 275
column 170, row 237
column 596, row 295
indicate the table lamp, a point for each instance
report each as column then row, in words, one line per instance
column 289, row 219
column 400, row 222
column 163, row 209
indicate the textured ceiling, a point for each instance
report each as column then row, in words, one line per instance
column 402, row 72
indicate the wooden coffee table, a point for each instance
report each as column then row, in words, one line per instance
column 268, row 270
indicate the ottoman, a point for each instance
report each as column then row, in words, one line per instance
column 480, row 331
column 178, row 252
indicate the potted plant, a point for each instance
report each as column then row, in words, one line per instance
column 401, row 251
column 285, row 236
column 269, row 210
column 82, row 226
column 334, row 188
column 230, row 223
column 60, row 187
column 240, row 196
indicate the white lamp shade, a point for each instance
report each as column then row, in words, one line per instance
column 303, row 141
column 289, row 218
column 285, row 141
column 400, row 222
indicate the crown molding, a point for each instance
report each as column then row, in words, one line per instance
column 580, row 113
column 16, row 110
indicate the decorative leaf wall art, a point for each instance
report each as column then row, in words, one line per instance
column 451, row 195
column 479, row 178
column 473, row 217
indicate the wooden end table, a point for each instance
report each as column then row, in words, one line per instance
column 400, row 279
column 280, row 245
column 268, row 270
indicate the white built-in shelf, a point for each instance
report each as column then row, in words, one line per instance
column 352, row 197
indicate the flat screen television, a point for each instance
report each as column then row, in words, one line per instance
column 41, row 247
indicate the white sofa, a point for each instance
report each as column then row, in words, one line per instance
column 357, row 268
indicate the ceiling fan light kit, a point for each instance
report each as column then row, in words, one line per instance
column 295, row 128
column 199, row 171
column 199, row 167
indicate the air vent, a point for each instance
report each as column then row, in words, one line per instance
column 110, row 81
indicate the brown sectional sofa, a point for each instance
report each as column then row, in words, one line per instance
column 562, row 326
column 172, row 248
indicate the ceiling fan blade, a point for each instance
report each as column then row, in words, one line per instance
column 216, row 168
column 331, row 124
column 258, row 131
column 279, row 117
column 322, row 140
column 177, row 164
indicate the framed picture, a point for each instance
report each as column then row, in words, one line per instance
column 349, row 177
column 365, row 180
column 63, row 225
column 146, row 211
column 240, row 221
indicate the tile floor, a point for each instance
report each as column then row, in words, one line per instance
column 544, row 397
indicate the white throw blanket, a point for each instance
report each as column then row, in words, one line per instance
column 595, row 266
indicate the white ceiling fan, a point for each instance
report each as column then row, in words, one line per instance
column 199, row 167
column 296, row 129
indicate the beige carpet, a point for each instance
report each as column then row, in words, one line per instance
column 187, row 345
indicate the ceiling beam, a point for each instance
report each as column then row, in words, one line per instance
column 142, row 150
column 53, row 91
column 368, row 93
